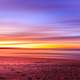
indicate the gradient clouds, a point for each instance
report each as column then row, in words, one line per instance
column 43, row 24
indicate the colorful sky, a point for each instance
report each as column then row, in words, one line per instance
column 41, row 25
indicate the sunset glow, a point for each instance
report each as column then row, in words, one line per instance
column 29, row 44
column 38, row 27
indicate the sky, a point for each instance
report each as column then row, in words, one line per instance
column 53, row 17
column 40, row 24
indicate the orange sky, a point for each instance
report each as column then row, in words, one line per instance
column 20, row 42
column 19, row 46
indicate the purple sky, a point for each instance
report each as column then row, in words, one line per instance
column 58, row 17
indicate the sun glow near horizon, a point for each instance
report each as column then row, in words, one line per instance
column 29, row 44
